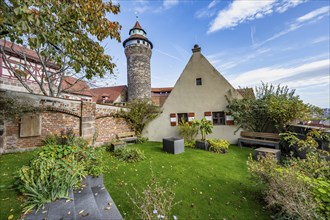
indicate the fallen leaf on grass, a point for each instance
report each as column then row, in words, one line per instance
column 84, row 215
column 81, row 211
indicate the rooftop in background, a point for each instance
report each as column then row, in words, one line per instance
column 75, row 86
column 21, row 52
column 110, row 94
column 246, row 93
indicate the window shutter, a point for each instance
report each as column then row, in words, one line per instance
column 173, row 119
column 191, row 117
column 208, row 116
column 229, row 119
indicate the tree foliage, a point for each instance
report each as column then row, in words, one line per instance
column 139, row 114
column 273, row 108
column 66, row 33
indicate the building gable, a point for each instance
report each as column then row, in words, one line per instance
column 186, row 94
column 199, row 92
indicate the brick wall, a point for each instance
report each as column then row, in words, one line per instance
column 108, row 127
column 85, row 118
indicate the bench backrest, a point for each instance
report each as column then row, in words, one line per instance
column 126, row 134
column 261, row 135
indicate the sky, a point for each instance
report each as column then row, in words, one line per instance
column 282, row 42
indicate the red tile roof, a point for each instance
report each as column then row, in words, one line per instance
column 112, row 93
column 137, row 26
column 75, row 86
column 15, row 50
column 164, row 89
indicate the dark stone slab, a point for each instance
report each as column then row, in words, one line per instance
column 95, row 181
column 107, row 207
column 85, row 205
column 41, row 214
column 62, row 209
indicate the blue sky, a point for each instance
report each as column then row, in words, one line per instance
column 277, row 41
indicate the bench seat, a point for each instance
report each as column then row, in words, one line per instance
column 259, row 138
column 127, row 137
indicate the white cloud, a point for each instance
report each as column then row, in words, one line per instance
column 169, row 55
column 241, row 11
column 208, row 11
column 321, row 39
column 308, row 18
column 284, row 74
column 170, row 3
column 313, row 14
column 288, row 4
column 212, row 4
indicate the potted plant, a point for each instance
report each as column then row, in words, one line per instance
column 205, row 128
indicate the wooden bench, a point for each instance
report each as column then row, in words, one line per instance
column 127, row 136
column 259, row 138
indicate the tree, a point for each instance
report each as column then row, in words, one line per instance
column 138, row 114
column 273, row 108
column 63, row 34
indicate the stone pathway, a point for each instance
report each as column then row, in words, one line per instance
column 91, row 202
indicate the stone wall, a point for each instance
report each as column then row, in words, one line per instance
column 87, row 120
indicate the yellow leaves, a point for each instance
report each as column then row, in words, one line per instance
column 10, row 217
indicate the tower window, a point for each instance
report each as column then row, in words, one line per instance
column 198, row 81
column 138, row 41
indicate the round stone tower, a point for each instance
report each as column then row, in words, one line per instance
column 138, row 53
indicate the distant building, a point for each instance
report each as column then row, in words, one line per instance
column 19, row 56
column 159, row 95
column 110, row 95
column 199, row 92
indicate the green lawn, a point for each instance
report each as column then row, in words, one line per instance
column 209, row 185
column 10, row 202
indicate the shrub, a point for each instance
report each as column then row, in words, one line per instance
column 218, row 145
column 129, row 154
column 66, row 137
column 54, row 170
column 141, row 140
column 139, row 114
column 299, row 189
column 48, row 179
column 155, row 201
column 189, row 132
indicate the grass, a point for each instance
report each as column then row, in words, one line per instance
column 10, row 200
column 208, row 185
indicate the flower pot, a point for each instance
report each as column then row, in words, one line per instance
column 204, row 145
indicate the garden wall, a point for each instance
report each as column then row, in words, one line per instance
column 87, row 119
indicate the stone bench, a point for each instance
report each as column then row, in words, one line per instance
column 262, row 151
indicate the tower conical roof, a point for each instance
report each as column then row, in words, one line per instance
column 137, row 35
column 137, row 25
